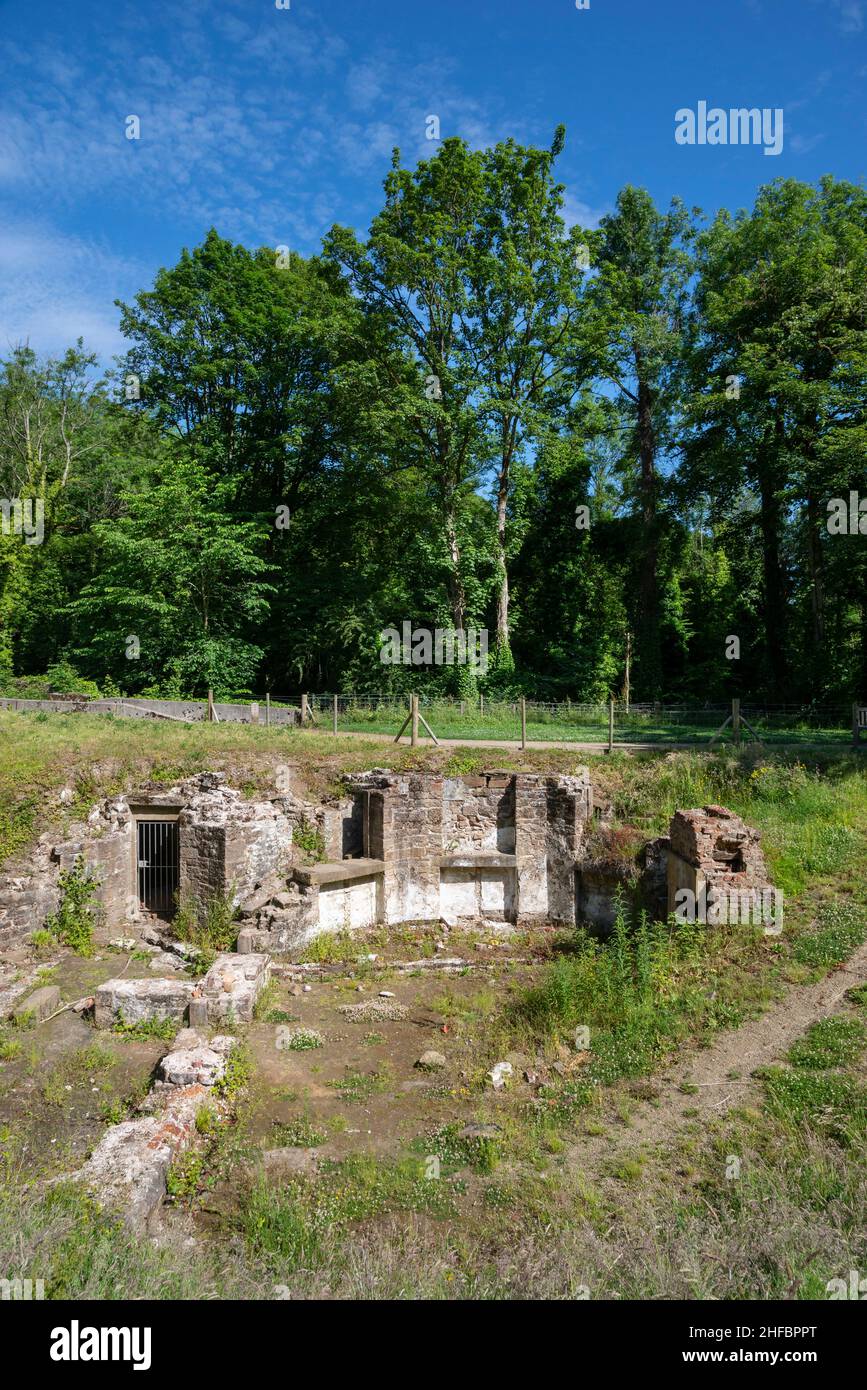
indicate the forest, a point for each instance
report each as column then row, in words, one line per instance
column 632, row 454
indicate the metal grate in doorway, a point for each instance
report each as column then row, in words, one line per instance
column 158, row 866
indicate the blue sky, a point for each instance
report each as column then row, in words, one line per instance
column 272, row 124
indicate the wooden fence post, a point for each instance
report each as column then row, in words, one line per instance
column 267, row 709
column 523, row 721
column 305, row 712
column 210, row 705
column 611, row 726
column 334, row 716
column 736, row 722
column 414, row 707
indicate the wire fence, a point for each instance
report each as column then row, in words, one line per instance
column 566, row 721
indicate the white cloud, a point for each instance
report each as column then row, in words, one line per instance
column 851, row 15
column 803, row 144
column 58, row 288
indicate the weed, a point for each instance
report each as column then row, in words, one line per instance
column 163, row 1029
column 832, row 1042
column 298, row 1134
column 73, row 922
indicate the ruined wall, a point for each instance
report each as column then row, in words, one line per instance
column 479, row 814
column 228, row 845
column 403, row 825
column 712, row 854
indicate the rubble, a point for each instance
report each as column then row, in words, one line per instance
column 129, row 1166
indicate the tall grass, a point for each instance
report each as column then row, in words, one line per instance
column 638, row 994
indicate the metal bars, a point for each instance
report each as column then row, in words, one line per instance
column 158, row 866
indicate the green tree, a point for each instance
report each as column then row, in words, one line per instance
column 635, row 337
column 178, row 587
column 779, row 411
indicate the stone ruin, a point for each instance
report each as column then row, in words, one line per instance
column 716, row 868
column 502, row 849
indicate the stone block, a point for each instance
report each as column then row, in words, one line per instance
column 141, row 1000
column 198, row 1065
column 234, row 983
column 198, row 1012
column 128, row 1168
column 39, row 1004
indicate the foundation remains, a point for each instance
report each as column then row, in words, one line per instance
column 501, row 849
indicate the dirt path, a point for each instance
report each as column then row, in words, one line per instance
column 759, row 1043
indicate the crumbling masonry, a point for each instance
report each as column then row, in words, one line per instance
column 501, row 848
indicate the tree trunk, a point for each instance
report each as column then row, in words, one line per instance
column 775, row 606
column 648, row 653
column 816, row 564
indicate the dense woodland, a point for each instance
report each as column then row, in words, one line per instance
column 612, row 448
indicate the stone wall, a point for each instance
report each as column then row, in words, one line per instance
column 713, row 854
column 187, row 711
column 229, row 845
column 479, row 814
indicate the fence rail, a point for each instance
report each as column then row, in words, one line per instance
column 567, row 721
column 504, row 720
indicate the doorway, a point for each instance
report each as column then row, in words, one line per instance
column 158, row 864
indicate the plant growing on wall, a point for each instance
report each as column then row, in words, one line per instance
column 74, row 921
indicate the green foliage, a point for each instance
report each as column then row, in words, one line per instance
column 235, row 1078
column 300, row 1134
column 73, row 922
column 840, row 928
column 143, row 1029
column 639, row 993
column 480, row 1152
column 212, row 934
column 832, row 1042
column 310, row 841
column 460, row 374
column 302, row 1040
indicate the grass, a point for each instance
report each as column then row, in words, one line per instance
column 832, row 1042
column 296, row 1227
column 300, row 1039
column 839, row 929
column 357, row 1087
column 210, row 934
column 163, row 1029
column 629, row 1001
column 520, row 1215
column 501, row 719
column 297, row 1134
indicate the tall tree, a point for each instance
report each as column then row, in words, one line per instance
column 636, row 338
column 179, row 588
column 412, row 271
column 525, row 276
column 779, row 405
